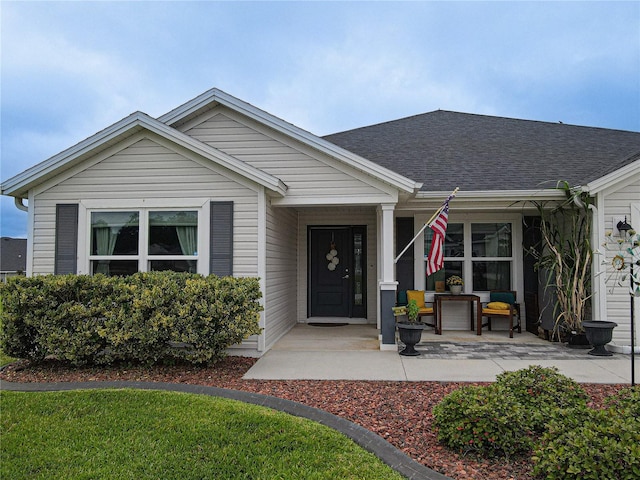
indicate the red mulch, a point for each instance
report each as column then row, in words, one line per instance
column 400, row 412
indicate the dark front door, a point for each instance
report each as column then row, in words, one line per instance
column 337, row 282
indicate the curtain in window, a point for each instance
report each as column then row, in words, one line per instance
column 188, row 238
column 106, row 239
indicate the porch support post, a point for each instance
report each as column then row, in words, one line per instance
column 388, row 284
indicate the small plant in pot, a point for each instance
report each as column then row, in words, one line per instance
column 410, row 331
column 455, row 284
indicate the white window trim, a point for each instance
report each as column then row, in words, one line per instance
column 517, row 281
column 144, row 206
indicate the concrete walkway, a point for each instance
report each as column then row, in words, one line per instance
column 351, row 353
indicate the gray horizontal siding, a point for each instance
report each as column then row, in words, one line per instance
column 150, row 171
column 618, row 204
column 281, row 271
column 306, row 173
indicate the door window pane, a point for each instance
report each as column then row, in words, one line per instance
column 114, row 233
column 173, row 233
column 358, row 263
column 491, row 239
column 491, row 275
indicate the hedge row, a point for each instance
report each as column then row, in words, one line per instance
column 147, row 317
column 539, row 412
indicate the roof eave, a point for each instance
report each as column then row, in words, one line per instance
column 612, row 178
column 19, row 185
column 489, row 195
column 398, row 181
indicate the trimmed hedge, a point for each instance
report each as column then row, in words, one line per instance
column 147, row 317
column 505, row 417
column 593, row 444
column 538, row 411
column 485, row 420
column 542, row 391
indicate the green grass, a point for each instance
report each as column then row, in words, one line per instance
column 6, row 359
column 130, row 434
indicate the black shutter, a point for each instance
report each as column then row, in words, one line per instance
column 221, row 238
column 405, row 266
column 66, row 249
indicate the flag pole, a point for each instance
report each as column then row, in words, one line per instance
column 437, row 212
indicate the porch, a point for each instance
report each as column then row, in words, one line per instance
column 351, row 352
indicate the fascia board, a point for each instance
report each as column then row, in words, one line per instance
column 489, row 195
column 612, row 178
column 214, row 95
column 20, row 184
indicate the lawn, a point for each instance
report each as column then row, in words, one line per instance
column 148, row 434
column 5, row 359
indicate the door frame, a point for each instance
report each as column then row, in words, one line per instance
column 354, row 310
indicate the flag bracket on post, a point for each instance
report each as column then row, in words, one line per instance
column 438, row 219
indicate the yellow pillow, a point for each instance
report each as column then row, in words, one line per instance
column 498, row 306
column 417, row 295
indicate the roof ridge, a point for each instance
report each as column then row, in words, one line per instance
column 494, row 117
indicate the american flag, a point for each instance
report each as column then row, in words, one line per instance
column 435, row 260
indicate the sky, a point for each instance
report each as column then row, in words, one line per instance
column 69, row 69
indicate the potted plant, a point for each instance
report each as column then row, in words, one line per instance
column 565, row 257
column 410, row 331
column 455, row 284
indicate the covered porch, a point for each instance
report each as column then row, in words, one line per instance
column 351, row 352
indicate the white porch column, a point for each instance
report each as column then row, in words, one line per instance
column 387, row 282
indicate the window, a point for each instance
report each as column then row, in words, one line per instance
column 480, row 253
column 126, row 242
column 173, row 236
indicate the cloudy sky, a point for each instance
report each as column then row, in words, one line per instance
column 69, row 69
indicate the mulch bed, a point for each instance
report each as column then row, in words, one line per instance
column 400, row 412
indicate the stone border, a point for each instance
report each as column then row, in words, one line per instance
column 366, row 439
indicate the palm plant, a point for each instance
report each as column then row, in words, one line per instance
column 566, row 256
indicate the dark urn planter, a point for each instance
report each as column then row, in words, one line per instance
column 599, row 333
column 410, row 334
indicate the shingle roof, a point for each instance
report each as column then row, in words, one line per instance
column 13, row 254
column 446, row 149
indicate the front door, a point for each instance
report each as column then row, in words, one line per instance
column 337, row 266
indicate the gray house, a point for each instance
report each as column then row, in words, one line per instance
column 220, row 186
column 13, row 257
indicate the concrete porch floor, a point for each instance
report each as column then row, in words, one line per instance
column 305, row 337
column 351, row 352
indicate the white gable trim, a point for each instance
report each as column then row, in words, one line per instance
column 479, row 195
column 214, row 95
column 21, row 183
column 622, row 174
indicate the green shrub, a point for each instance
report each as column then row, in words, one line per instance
column 77, row 306
column 592, row 444
column 147, row 317
column 22, row 304
column 487, row 420
column 217, row 312
column 504, row 418
column 541, row 391
column 626, row 401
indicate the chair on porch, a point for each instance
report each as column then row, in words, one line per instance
column 423, row 309
column 502, row 304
